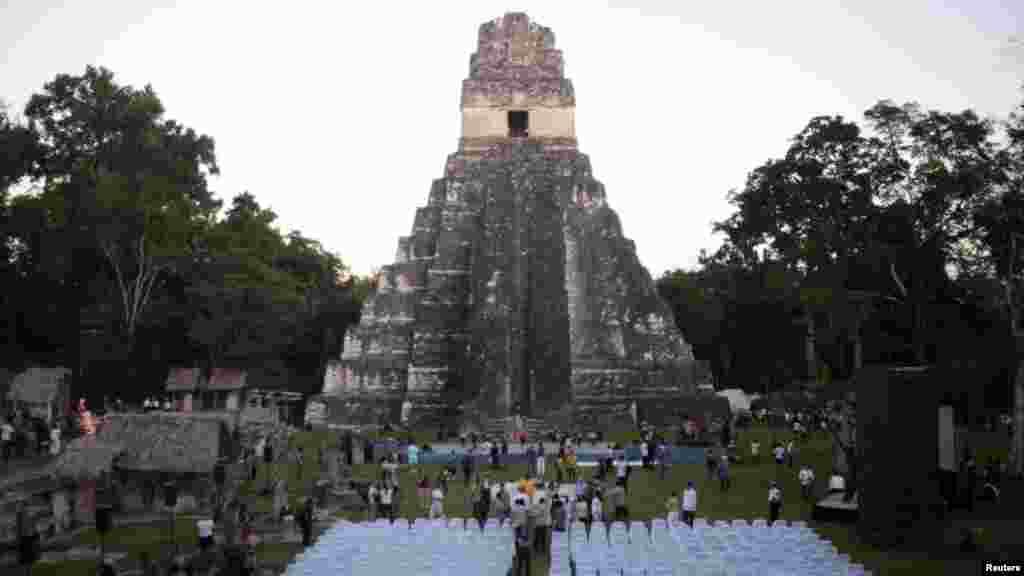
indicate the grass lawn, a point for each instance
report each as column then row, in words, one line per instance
column 747, row 498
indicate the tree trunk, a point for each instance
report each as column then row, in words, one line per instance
column 810, row 353
column 1017, row 447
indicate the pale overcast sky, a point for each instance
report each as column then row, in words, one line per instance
column 338, row 115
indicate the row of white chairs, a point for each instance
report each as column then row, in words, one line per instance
column 384, row 549
column 700, row 552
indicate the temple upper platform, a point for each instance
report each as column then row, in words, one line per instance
column 516, row 88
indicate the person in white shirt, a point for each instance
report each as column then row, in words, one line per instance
column 520, row 506
column 836, row 483
column 54, row 440
column 774, row 503
column 596, row 509
column 791, row 452
column 620, row 470
column 755, row 452
column 540, row 464
column 644, row 453
column 372, row 496
column 7, row 434
column 436, row 503
column 806, row 477
column 386, row 506
column 689, row 503
column 205, row 527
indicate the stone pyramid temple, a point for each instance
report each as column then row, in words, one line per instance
column 516, row 290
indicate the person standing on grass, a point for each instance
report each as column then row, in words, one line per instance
column 483, row 503
column 7, row 431
column 791, row 451
column 372, row 501
column 774, row 503
column 780, row 453
column 436, row 503
column 543, row 523
column 423, row 491
column 723, row 473
column 583, row 513
column 617, row 501
column 531, row 462
column 644, row 453
column 689, row 503
column 664, row 460
column 806, row 477
column 467, row 467
column 387, row 509
column 710, row 456
column 755, row 452
column 541, row 468
column 621, row 470
column 522, row 559
column 596, row 508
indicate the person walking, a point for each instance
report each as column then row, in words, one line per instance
column 387, row 510
column 689, row 503
column 774, row 503
column 710, row 457
column 791, row 452
column 755, row 452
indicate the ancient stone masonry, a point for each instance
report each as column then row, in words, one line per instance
column 516, row 284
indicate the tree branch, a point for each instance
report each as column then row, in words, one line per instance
column 108, row 251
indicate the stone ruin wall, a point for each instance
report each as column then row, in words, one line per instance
column 516, row 270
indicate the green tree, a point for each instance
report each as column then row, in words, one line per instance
column 117, row 169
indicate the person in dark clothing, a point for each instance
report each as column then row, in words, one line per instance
column 774, row 503
column 28, row 538
column 467, row 467
column 483, row 506
column 494, row 455
column 306, row 522
column 972, row 481
column 523, row 549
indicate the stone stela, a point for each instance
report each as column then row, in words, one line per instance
column 516, row 284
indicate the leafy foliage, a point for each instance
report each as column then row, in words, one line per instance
column 120, row 231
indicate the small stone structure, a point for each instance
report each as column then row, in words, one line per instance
column 516, row 289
